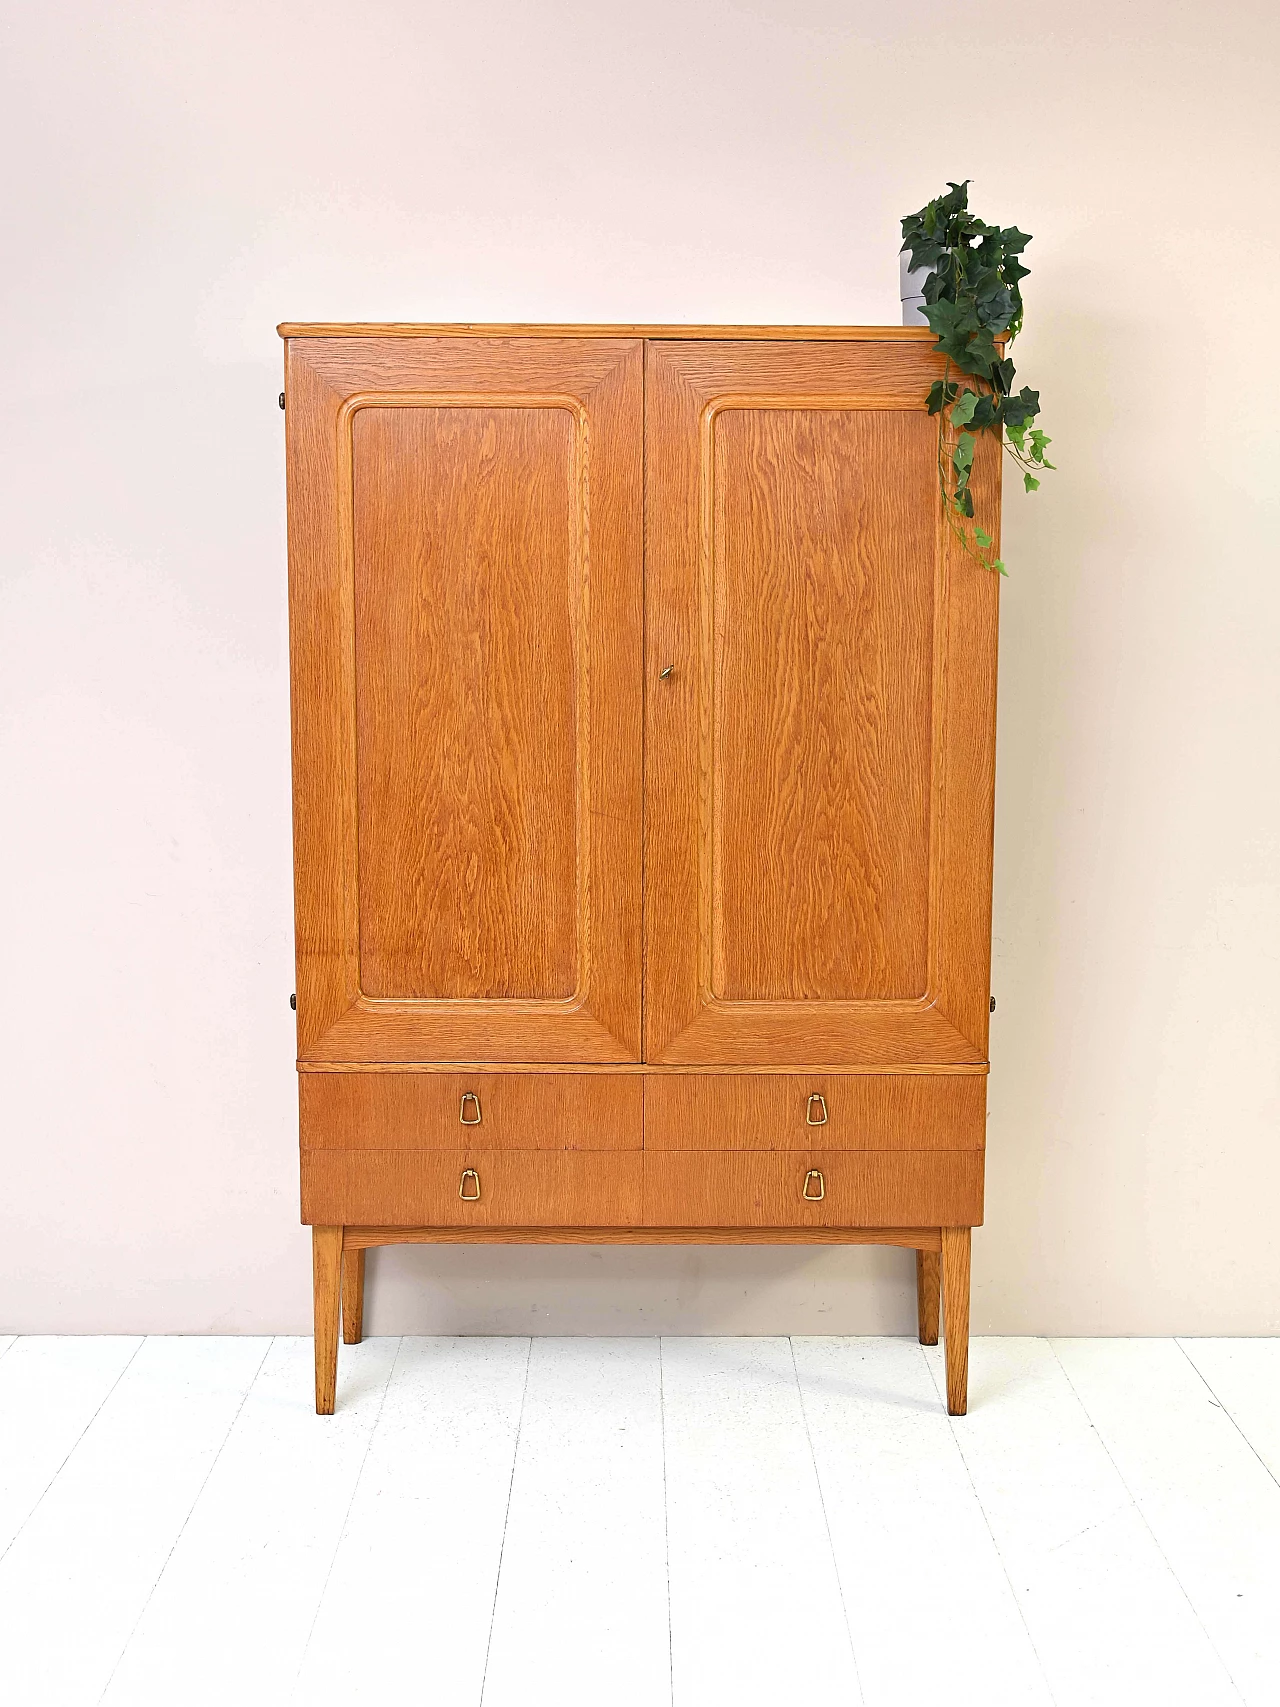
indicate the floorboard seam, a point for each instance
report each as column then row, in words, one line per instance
column 826, row 1521
column 666, row 1522
column 1226, row 1410
column 142, row 1611
column 4, row 1554
column 1155, row 1540
column 506, row 1519
column 986, row 1523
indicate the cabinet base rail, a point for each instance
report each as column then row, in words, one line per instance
column 942, row 1267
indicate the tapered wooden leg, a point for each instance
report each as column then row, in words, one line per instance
column 955, row 1316
column 927, row 1296
column 353, row 1296
column 326, row 1271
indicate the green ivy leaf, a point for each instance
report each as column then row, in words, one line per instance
column 986, row 414
column 1032, row 484
column 983, row 538
column 962, row 412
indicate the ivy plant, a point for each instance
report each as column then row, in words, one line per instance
column 972, row 296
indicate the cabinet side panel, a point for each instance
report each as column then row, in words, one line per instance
column 468, row 615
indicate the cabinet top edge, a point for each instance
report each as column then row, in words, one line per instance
column 469, row 329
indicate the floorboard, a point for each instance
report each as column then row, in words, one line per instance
column 1106, row 1614
column 756, row 1611
column 581, row 1613
column 231, row 1613
column 931, row 1611
column 99, row 1539
column 50, row 1391
column 1244, row 1377
column 1212, row 1506
column 416, row 1567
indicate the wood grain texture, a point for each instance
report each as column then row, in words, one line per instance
column 330, row 385
column 927, row 1283
column 470, row 610
column 518, row 1188
column 795, row 503
column 791, row 334
column 326, row 1276
column 863, row 1188
column 735, row 1111
column 639, row 1069
column 352, row 1295
column 422, row 1111
column 910, row 1238
column 956, row 1243
column 823, row 541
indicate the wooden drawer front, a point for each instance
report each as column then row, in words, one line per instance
column 518, row 1188
column 834, row 1111
column 867, row 1188
column 437, row 1111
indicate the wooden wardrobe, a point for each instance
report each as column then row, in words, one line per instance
column 643, row 739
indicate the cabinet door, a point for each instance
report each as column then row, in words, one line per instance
column 465, row 592
column 820, row 690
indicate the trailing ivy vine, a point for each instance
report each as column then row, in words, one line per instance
column 972, row 296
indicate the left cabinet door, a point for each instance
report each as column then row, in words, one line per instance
column 465, row 562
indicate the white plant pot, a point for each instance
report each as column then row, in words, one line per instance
column 912, row 291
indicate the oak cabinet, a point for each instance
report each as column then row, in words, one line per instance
column 643, row 727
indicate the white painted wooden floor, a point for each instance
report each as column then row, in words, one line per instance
column 708, row 1521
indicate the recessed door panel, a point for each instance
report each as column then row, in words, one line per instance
column 823, row 574
column 470, row 602
column 820, row 681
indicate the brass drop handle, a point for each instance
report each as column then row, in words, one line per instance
column 811, row 1179
column 816, row 1111
column 474, row 1117
column 469, row 1193
column 663, row 675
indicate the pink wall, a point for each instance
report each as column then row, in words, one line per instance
column 182, row 177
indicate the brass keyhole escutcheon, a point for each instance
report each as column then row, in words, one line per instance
column 469, row 1186
column 816, row 1112
column 815, row 1187
column 469, row 1113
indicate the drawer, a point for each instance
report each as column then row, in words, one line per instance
column 441, row 1111
column 517, row 1188
column 795, row 1111
column 847, row 1188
